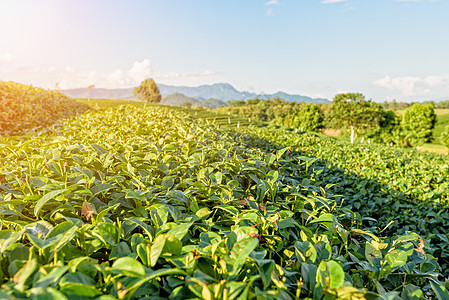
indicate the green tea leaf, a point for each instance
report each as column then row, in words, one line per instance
column 47, row 197
column 440, row 290
column 396, row 258
column 103, row 213
column 8, row 238
column 179, row 231
column 323, row 218
column 156, row 249
column 168, row 182
column 243, row 248
column 330, row 274
column 76, row 277
column 52, row 278
column 77, row 290
column 100, row 150
column 101, row 188
column 24, row 273
column 147, row 228
column 128, row 267
column 371, row 252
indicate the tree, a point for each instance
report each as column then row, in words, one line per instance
column 390, row 129
column 352, row 111
column 417, row 124
column 186, row 105
column 310, row 117
column 236, row 103
column 90, row 90
column 252, row 101
column 444, row 138
column 148, row 91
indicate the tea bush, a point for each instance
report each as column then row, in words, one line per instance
column 138, row 202
column 24, row 107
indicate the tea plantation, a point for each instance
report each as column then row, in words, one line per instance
column 24, row 108
column 148, row 202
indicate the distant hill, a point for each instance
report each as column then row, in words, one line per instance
column 217, row 91
column 213, row 103
column 100, row 93
column 293, row 98
column 220, row 91
column 225, row 92
column 178, row 99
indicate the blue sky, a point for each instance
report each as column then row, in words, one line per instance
column 385, row 49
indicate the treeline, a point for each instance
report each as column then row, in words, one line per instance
column 351, row 113
column 393, row 105
column 307, row 117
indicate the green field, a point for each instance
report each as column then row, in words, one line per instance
column 442, row 122
column 155, row 202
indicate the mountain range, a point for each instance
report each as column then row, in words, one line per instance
column 218, row 92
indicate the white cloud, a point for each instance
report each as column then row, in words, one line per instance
column 412, row 86
column 92, row 78
column 140, row 71
column 189, row 79
column 69, row 77
column 406, row 85
column 416, row 0
column 340, row 91
column 6, row 57
column 172, row 75
column 48, row 70
column 332, row 1
column 434, row 80
column 207, row 73
column 272, row 2
column 116, row 78
column 175, row 75
column 270, row 10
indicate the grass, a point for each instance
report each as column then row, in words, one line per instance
column 442, row 122
column 441, row 111
column 436, row 148
column 438, row 111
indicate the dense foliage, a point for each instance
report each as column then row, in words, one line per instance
column 148, row 91
column 275, row 110
column 310, row 118
column 406, row 189
column 444, row 138
column 142, row 202
column 394, row 105
column 389, row 132
column 352, row 110
column 417, row 124
column 348, row 112
column 24, row 107
column 292, row 114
